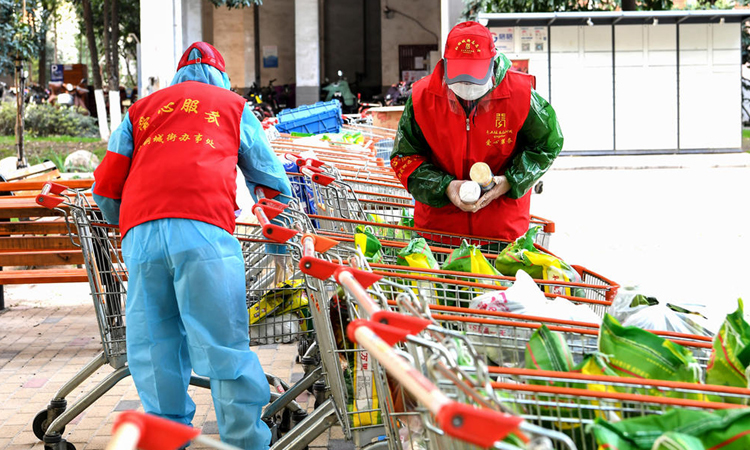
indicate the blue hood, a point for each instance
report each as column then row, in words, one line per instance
column 202, row 73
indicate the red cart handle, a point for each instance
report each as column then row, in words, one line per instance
column 49, row 201
column 322, row 179
column 482, row 427
column 151, row 432
column 272, row 203
column 271, row 231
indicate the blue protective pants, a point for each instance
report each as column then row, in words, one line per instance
column 186, row 311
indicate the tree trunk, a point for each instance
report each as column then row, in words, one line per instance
column 107, row 42
column 101, row 109
column 87, row 18
column 115, row 47
column 111, row 38
column 629, row 5
column 43, row 59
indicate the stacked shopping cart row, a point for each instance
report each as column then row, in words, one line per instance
column 565, row 402
column 352, row 192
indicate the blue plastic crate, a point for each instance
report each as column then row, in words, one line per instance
column 322, row 117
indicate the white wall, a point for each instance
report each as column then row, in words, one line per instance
column 582, row 86
column 161, row 42
column 710, row 90
column 401, row 31
column 646, row 92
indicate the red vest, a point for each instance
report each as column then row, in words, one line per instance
column 186, row 139
column 488, row 134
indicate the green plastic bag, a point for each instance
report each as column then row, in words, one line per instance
column 633, row 352
column 689, row 429
column 366, row 241
column 523, row 255
column 547, row 350
column 469, row 258
column 407, row 220
column 730, row 355
column 417, row 254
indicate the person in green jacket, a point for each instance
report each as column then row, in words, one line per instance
column 474, row 108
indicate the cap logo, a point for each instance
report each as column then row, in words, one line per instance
column 465, row 47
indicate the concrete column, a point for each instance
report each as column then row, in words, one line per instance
column 192, row 22
column 450, row 10
column 307, row 51
column 249, row 19
column 229, row 40
column 161, row 42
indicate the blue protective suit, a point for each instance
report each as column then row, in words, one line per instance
column 186, row 305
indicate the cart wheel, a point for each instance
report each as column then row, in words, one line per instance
column 63, row 444
column 40, row 424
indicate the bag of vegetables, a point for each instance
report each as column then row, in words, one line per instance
column 469, row 258
column 678, row 429
column 523, row 255
column 730, row 355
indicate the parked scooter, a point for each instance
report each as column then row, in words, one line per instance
column 340, row 90
column 261, row 109
column 68, row 95
column 398, row 94
column 36, row 94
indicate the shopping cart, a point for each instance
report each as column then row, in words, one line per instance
column 107, row 275
column 353, row 398
column 567, row 402
column 455, row 422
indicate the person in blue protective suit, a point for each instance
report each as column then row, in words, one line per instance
column 168, row 179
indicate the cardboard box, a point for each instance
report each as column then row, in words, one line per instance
column 387, row 116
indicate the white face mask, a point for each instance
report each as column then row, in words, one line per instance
column 470, row 91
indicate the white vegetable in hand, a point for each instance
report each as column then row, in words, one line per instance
column 469, row 192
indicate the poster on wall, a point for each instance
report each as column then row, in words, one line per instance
column 527, row 39
column 520, row 65
column 533, row 39
column 270, row 56
column 410, row 76
column 540, row 39
column 504, row 39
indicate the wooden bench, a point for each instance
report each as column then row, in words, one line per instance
column 32, row 236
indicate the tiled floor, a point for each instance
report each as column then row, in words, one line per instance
column 47, row 333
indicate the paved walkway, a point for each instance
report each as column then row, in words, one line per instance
column 47, row 333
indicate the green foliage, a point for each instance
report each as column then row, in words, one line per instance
column 7, row 119
column 236, row 3
column 474, row 7
column 129, row 22
column 18, row 37
column 46, row 120
column 50, row 155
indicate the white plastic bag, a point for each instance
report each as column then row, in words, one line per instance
column 633, row 308
column 281, row 329
column 505, row 346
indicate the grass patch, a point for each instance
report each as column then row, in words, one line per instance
column 52, row 148
column 11, row 140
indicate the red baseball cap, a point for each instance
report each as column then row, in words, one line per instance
column 469, row 52
column 209, row 55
